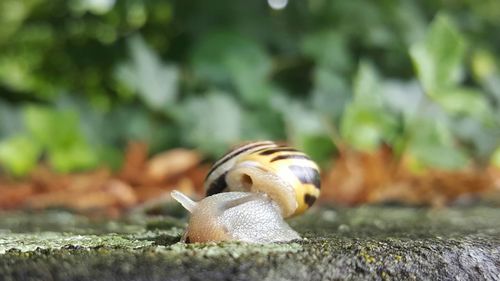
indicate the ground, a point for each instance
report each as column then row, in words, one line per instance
column 370, row 243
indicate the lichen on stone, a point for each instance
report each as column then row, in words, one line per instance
column 370, row 243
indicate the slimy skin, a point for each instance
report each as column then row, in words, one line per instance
column 235, row 216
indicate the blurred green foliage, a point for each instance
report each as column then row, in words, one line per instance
column 80, row 78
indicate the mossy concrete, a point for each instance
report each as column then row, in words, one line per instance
column 371, row 243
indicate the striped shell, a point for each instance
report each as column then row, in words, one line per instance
column 286, row 175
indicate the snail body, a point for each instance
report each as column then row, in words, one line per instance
column 235, row 216
column 250, row 191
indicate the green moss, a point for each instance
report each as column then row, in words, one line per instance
column 25, row 242
column 233, row 249
column 164, row 223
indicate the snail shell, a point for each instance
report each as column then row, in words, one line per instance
column 287, row 175
column 250, row 191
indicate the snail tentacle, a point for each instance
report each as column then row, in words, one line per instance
column 185, row 201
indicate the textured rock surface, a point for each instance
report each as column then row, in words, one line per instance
column 373, row 243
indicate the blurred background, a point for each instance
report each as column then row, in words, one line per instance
column 107, row 105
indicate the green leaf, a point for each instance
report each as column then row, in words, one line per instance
column 229, row 58
column 366, row 121
column 465, row 101
column 367, row 89
column 99, row 7
column 52, row 128
column 486, row 71
column 301, row 121
column 330, row 93
column 19, row 154
column 58, row 132
column 319, row 147
column 366, row 128
column 262, row 123
column 155, row 82
column 77, row 156
column 438, row 58
column 403, row 97
column 483, row 139
column 444, row 157
column 305, row 128
column 495, row 158
column 328, row 48
column 483, row 64
column 10, row 119
column 432, row 144
column 12, row 14
column 211, row 123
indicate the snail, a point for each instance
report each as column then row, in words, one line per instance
column 250, row 192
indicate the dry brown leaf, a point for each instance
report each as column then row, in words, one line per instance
column 494, row 173
column 170, row 164
column 45, row 180
column 13, row 195
column 92, row 201
column 355, row 178
column 359, row 177
column 355, row 174
column 136, row 155
column 149, row 192
column 112, row 193
column 50, row 199
column 185, row 185
column 197, row 176
column 123, row 193
column 88, row 181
